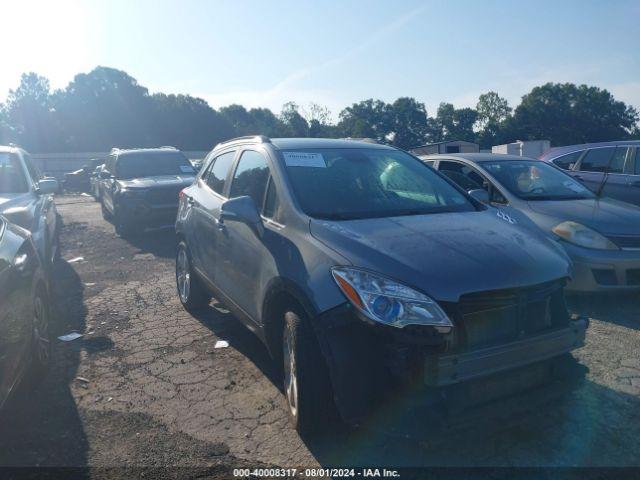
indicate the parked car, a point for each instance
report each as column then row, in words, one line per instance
column 26, row 199
column 610, row 169
column 25, row 344
column 80, row 180
column 363, row 271
column 601, row 235
column 94, row 181
column 139, row 188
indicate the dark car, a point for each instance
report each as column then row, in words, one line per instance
column 80, row 180
column 601, row 235
column 26, row 199
column 365, row 271
column 25, row 343
column 139, row 188
column 610, row 169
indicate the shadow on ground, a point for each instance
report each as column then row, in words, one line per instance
column 617, row 308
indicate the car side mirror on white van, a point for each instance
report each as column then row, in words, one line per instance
column 480, row 195
column 242, row 209
column 48, row 185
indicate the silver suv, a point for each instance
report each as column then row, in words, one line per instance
column 364, row 270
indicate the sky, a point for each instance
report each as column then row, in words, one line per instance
column 264, row 53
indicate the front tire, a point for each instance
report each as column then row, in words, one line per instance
column 306, row 377
column 41, row 336
column 191, row 292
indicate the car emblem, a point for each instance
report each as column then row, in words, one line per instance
column 505, row 217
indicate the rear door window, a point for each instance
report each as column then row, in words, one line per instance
column 217, row 174
column 251, row 176
column 618, row 160
column 567, row 161
column 597, row 159
column 462, row 175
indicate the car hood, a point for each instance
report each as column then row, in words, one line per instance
column 159, row 181
column 18, row 208
column 604, row 215
column 447, row 255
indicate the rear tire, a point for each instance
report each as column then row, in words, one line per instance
column 192, row 293
column 307, row 386
column 105, row 213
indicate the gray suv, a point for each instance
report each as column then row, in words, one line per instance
column 364, row 270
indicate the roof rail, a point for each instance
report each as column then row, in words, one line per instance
column 254, row 138
column 169, row 147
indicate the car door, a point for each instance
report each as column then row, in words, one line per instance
column 592, row 166
column 15, row 313
column 205, row 201
column 622, row 181
column 243, row 254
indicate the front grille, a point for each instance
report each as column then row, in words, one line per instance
column 626, row 241
column 499, row 316
column 164, row 196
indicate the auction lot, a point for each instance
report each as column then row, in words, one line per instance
column 145, row 386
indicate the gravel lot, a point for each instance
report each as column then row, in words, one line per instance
column 146, row 387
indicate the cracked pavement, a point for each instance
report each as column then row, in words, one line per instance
column 146, row 387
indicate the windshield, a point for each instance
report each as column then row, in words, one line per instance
column 343, row 184
column 12, row 178
column 139, row 165
column 535, row 180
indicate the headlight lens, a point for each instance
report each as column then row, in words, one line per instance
column 389, row 302
column 583, row 236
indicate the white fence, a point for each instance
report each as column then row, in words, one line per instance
column 57, row 164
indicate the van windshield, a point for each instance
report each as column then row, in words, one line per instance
column 140, row 165
column 12, row 178
column 355, row 183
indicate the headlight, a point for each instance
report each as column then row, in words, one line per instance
column 132, row 192
column 583, row 236
column 389, row 302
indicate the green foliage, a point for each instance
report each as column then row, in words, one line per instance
column 107, row 107
column 567, row 114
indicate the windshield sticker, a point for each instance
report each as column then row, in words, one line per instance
column 303, row 159
column 576, row 187
column 4, row 159
column 186, row 169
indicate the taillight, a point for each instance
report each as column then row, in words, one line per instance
column 181, row 194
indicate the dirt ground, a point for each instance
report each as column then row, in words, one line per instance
column 145, row 386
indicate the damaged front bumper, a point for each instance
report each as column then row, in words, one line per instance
column 369, row 363
column 448, row 369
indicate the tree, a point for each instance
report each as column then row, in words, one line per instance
column 366, row 119
column 569, row 114
column 493, row 112
column 105, row 108
column 453, row 124
column 294, row 123
column 408, row 121
column 29, row 117
column 187, row 122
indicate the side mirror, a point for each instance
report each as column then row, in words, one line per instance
column 48, row 185
column 480, row 195
column 105, row 175
column 242, row 209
